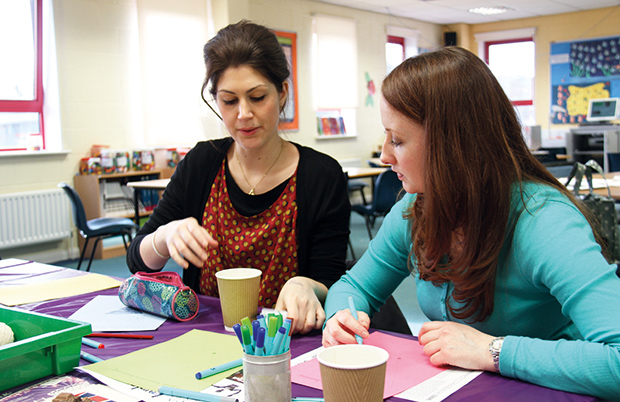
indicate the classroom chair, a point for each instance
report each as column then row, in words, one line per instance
column 387, row 188
column 99, row 228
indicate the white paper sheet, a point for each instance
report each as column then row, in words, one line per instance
column 109, row 314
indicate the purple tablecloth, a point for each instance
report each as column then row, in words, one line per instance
column 486, row 387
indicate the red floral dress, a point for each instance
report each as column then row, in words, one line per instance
column 267, row 241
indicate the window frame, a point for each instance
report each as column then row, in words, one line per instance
column 35, row 105
column 398, row 40
column 487, row 44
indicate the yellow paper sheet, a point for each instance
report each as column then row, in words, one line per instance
column 22, row 294
column 174, row 363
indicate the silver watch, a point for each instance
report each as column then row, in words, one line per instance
column 495, row 347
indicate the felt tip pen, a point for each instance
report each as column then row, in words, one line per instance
column 246, row 321
column 307, row 399
column 255, row 327
column 271, row 332
column 92, row 344
column 288, row 323
column 219, row 369
column 260, row 341
column 277, row 342
column 110, row 335
column 261, row 319
column 199, row 396
column 237, row 329
column 247, row 340
column 90, row 358
column 354, row 313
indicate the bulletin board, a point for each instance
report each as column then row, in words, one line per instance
column 580, row 71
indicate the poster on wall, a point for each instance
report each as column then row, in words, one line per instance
column 580, row 71
column 290, row 121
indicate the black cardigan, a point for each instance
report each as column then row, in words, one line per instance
column 322, row 199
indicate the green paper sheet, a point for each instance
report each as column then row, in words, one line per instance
column 174, row 363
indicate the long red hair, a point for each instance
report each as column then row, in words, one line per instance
column 476, row 153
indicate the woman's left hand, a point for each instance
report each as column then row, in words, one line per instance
column 300, row 298
column 454, row 344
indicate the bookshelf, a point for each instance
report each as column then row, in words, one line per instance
column 107, row 195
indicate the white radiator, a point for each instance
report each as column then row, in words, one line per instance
column 34, row 217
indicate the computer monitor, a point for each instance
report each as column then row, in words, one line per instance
column 601, row 110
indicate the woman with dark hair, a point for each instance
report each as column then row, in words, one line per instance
column 252, row 199
column 507, row 263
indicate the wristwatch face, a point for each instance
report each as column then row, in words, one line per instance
column 496, row 345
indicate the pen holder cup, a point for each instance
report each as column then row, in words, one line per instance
column 267, row 378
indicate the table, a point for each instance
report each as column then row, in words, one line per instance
column 486, row 387
column 377, row 162
column 157, row 184
column 361, row 172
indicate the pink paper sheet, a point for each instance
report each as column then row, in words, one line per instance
column 407, row 366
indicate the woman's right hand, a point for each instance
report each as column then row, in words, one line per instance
column 185, row 241
column 342, row 328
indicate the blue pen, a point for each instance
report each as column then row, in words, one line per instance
column 90, row 358
column 219, row 369
column 286, row 345
column 255, row 327
column 307, row 399
column 277, row 342
column 199, row 396
column 261, row 319
column 354, row 313
column 260, row 341
column 237, row 329
column 92, row 344
column 247, row 340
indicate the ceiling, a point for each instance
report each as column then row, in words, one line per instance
column 455, row 11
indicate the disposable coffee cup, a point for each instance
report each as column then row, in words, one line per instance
column 267, row 378
column 353, row 373
column 238, row 288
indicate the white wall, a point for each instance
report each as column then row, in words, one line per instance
column 102, row 85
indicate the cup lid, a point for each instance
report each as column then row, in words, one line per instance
column 353, row 356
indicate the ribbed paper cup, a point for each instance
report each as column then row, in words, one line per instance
column 353, row 373
column 238, row 288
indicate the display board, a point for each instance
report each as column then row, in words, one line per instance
column 580, row 71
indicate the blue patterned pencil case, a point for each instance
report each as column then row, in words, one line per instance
column 160, row 293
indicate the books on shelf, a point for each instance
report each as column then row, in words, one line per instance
column 331, row 125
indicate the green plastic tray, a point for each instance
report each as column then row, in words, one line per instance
column 44, row 345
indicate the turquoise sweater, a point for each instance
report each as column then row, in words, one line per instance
column 557, row 300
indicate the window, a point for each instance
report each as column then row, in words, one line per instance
column 335, row 75
column 513, row 64
column 394, row 51
column 401, row 44
column 29, row 106
column 21, row 79
column 512, row 60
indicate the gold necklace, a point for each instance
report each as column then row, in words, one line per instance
column 251, row 192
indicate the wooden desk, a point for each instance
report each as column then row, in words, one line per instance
column 487, row 386
column 377, row 161
column 158, row 184
column 361, row 172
